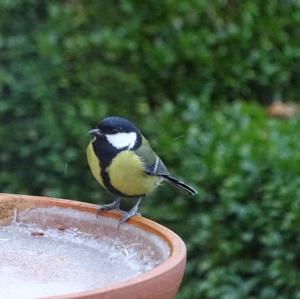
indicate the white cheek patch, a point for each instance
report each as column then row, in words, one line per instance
column 121, row 140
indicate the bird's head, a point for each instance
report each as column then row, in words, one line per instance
column 118, row 131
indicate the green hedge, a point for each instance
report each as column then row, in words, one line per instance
column 150, row 51
column 174, row 67
column 243, row 229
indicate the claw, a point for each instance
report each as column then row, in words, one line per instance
column 111, row 206
column 134, row 211
column 127, row 216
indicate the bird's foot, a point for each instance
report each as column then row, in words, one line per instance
column 126, row 216
column 111, row 206
column 134, row 211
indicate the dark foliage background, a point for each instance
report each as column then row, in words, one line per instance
column 194, row 75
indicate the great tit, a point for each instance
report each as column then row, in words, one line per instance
column 123, row 162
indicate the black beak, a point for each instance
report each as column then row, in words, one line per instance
column 95, row 132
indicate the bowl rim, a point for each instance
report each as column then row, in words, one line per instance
column 176, row 245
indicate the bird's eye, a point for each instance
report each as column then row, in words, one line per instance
column 114, row 131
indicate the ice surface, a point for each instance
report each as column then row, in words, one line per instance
column 39, row 261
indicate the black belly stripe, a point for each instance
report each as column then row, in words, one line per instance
column 105, row 152
column 108, row 185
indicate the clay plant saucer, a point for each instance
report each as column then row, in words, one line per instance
column 160, row 282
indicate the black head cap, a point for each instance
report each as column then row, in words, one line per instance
column 115, row 124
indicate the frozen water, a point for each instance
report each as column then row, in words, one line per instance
column 38, row 261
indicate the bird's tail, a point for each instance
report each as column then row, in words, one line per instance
column 179, row 184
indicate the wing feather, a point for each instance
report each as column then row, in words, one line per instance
column 152, row 163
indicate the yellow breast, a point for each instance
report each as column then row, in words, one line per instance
column 127, row 175
column 94, row 163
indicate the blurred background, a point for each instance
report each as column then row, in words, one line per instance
column 214, row 85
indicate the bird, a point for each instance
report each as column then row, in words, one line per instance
column 123, row 162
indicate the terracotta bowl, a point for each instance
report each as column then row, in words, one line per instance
column 161, row 282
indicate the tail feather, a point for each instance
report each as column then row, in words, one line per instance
column 180, row 185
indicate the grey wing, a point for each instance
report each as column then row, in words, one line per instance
column 152, row 163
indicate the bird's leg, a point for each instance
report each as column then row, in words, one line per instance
column 111, row 206
column 131, row 213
